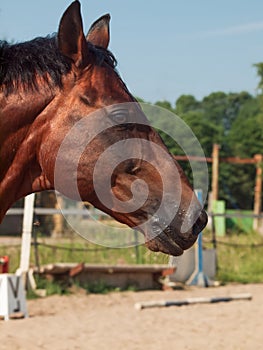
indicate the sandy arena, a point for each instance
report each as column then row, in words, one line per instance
column 81, row 321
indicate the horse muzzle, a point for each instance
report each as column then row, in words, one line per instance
column 171, row 239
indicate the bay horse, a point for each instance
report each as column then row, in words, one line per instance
column 49, row 85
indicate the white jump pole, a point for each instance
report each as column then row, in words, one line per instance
column 26, row 235
column 190, row 301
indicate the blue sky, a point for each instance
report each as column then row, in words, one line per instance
column 164, row 48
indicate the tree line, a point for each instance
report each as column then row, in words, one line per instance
column 235, row 122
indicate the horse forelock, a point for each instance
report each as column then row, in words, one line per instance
column 22, row 64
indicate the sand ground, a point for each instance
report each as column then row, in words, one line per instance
column 81, row 321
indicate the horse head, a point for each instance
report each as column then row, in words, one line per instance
column 90, row 140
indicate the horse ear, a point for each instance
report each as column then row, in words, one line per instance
column 99, row 33
column 71, row 39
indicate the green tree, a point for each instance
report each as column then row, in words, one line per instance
column 259, row 68
column 245, row 139
column 186, row 103
column 233, row 120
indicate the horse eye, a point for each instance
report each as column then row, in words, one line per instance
column 132, row 168
column 120, row 116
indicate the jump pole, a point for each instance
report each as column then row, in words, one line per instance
column 191, row 301
column 198, row 277
column 26, row 236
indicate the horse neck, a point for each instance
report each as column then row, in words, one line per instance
column 19, row 136
column 17, row 113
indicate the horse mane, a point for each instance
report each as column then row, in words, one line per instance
column 21, row 63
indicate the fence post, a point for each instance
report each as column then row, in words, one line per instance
column 215, row 171
column 258, row 190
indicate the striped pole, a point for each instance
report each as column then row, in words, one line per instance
column 198, row 278
column 191, row 301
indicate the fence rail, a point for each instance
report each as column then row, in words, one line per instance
column 52, row 211
column 88, row 213
column 236, row 215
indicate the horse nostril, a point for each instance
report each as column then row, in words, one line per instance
column 200, row 223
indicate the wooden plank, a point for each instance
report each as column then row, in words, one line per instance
column 74, row 271
column 233, row 160
column 141, row 277
column 193, row 158
column 62, row 268
column 237, row 160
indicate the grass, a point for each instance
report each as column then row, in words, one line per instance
column 79, row 250
column 240, row 259
column 50, row 287
column 82, row 251
column 56, row 287
column 100, row 287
